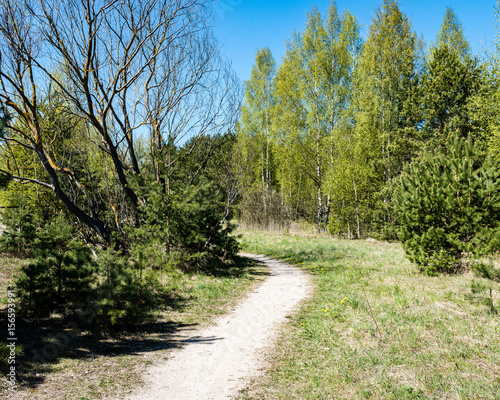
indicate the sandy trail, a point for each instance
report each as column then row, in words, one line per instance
column 220, row 360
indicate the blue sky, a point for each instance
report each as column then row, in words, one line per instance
column 243, row 26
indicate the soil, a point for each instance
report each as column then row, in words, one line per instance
column 218, row 361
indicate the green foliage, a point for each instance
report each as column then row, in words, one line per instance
column 186, row 225
column 386, row 108
column 61, row 274
column 448, row 203
column 128, row 290
column 116, row 289
column 487, row 270
column 5, row 352
column 482, row 292
column 451, row 35
column 182, row 224
column 70, row 154
column 20, row 230
column 255, row 139
column 290, row 126
column 447, row 89
column 486, row 104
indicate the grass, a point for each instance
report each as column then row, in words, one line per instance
column 9, row 267
column 377, row 329
column 89, row 367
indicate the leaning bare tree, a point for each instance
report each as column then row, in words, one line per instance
column 124, row 72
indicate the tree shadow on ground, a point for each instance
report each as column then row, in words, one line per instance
column 46, row 340
column 75, row 335
column 237, row 268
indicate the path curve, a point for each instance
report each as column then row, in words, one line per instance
column 220, row 360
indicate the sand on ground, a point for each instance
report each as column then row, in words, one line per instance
column 217, row 362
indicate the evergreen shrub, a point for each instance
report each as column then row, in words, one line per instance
column 448, row 206
column 127, row 291
column 184, row 227
column 20, row 231
column 62, row 271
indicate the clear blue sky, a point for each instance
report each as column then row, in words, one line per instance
column 243, row 26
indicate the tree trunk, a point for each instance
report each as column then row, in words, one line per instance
column 327, row 212
column 320, row 207
column 357, row 206
column 349, row 237
column 92, row 222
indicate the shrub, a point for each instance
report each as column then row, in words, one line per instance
column 127, row 291
column 186, row 225
column 5, row 351
column 20, row 229
column 448, row 203
column 62, row 272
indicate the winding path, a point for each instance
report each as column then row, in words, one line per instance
column 220, row 360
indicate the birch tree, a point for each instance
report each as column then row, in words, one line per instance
column 257, row 119
column 314, row 90
column 344, row 48
column 388, row 65
column 292, row 151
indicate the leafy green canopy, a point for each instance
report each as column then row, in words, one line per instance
column 386, row 107
column 447, row 88
column 255, row 140
column 448, row 206
column 312, row 114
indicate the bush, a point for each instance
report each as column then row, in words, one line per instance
column 20, row 231
column 5, row 352
column 186, row 225
column 61, row 274
column 127, row 292
column 448, row 203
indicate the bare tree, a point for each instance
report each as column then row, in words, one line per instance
column 128, row 71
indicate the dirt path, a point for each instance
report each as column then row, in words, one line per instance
column 220, row 360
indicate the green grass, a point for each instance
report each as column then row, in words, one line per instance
column 377, row 329
column 9, row 268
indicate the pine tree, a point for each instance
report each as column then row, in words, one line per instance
column 62, row 272
column 448, row 206
column 20, row 228
column 447, row 88
column 451, row 82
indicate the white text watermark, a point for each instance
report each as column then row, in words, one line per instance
column 11, row 341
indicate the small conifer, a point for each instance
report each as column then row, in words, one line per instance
column 448, row 203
